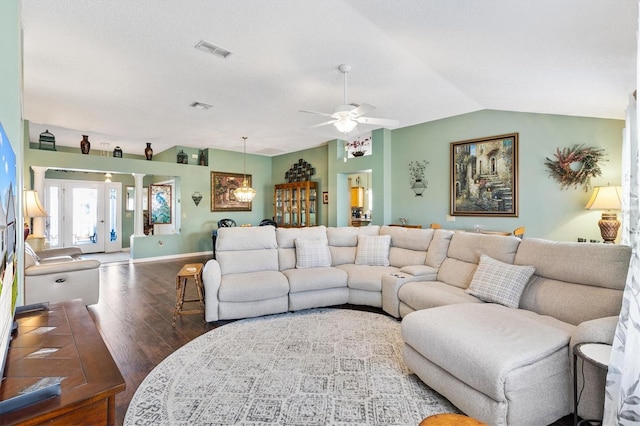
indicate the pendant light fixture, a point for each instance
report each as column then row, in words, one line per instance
column 245, row 193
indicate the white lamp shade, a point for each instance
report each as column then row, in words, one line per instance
column 605, row 198
column 32, row 206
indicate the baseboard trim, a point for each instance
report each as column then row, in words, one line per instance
column 170, row 256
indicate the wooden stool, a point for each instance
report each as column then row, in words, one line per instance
column 450, row 420
column 190, row 270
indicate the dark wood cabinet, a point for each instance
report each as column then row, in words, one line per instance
column 295, row 204
column 62, row 341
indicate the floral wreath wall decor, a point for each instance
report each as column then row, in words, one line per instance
column 416, row 176
column 575, row 166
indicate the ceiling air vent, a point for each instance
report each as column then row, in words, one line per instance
column 200, row 105
column 211, row 48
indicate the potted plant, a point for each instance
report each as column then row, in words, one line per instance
column 358, row 146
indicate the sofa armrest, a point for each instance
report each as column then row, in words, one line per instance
column 57, row 252
column 599, row 330
column 211, row 278
column 58, row 267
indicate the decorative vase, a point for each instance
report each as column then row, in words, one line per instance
column 85, row 145
column 117, row 153
column 357, row 153
column 148, row 151
column 201, row 159
column 418, row 187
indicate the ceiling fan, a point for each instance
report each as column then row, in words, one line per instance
column 347, row 116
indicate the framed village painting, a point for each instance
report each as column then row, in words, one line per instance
column 223, row 186
column 484, row 176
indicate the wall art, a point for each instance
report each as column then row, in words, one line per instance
column 223, row 186
column 484, row 176
column 160, row 204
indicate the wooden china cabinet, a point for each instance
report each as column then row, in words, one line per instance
column 295, row 204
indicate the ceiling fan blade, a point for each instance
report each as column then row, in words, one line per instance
column 377, row 121
column 324, row 114
column 323, row 124
column 361, row 110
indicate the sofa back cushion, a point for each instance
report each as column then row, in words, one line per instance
column 574, row 282
column 438, row 247
column 247, row 249
column 286, row 239
column 464, row 254
column 408, row 245
column 343, row 241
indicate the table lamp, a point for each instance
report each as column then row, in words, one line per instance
column 32, row 208
column 606, row 198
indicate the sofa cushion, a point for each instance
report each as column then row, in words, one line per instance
column 308, row 279
column 312, row 253
column 499, row 282
column 365, row 277
column 429, row 294
column 373, row 250
column 423, row 271
column 252, row 286
column 518, row 340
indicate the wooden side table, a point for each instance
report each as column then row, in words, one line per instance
column 63, row 343
column 190, row 270
column 450, row 420
column 595, row 354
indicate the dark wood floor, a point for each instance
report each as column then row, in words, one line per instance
column 134, row 317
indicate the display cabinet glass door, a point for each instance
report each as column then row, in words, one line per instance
column 295, row 204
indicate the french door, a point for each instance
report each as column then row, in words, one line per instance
column 86, row 214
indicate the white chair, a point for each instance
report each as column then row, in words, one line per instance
column 57, row 275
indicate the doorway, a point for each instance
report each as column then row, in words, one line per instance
column 85, row 214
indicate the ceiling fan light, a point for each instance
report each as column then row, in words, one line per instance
column 345, row 125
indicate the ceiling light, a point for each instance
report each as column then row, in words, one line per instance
column 208, row 47
column 200, row 105
column 107, row 177
column 345, row 124
column 245, row 193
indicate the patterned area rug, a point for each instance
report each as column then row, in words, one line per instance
column 314, row 367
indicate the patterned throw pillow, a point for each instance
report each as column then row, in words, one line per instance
column 499, row 282
column 312, row 253
column 373, row 250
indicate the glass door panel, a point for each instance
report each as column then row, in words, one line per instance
column 87, row 227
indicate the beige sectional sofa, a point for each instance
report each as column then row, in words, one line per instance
column 506, row 362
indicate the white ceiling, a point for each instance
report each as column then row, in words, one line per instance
column 125, row 72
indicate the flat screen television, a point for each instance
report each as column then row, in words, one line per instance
column 8, row 226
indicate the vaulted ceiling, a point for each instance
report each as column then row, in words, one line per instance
column 126, row 72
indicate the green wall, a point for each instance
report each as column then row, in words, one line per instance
column 197, row 222
column 318, row 159
column 544, row 209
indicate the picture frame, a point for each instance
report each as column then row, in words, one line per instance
column 484, row 176
column 159, row 204
column 130, row 198
column 325, row 197
column 223, row 186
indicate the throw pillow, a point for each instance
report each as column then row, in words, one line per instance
column 373, row 250
column 499, row 282
column 312, row 253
